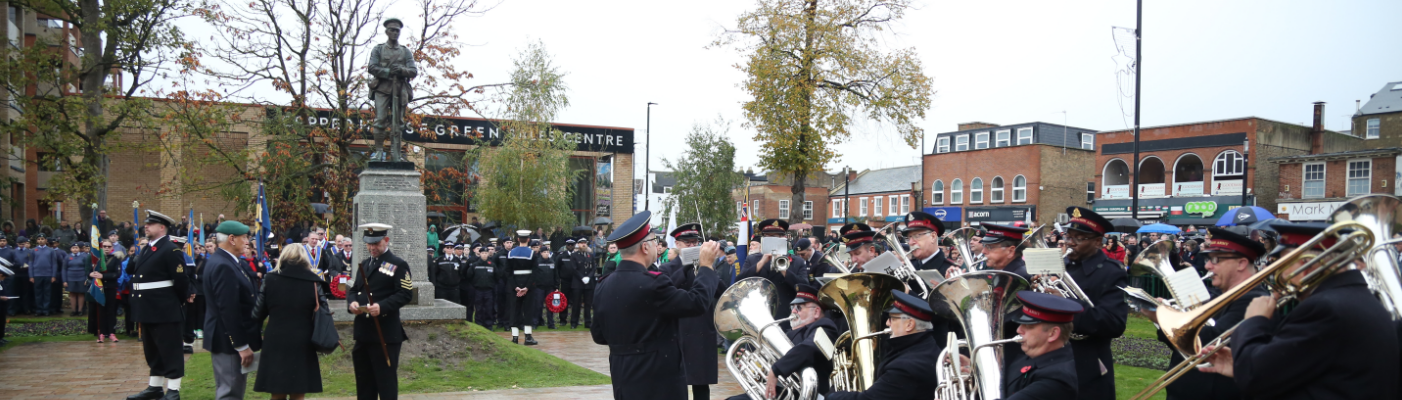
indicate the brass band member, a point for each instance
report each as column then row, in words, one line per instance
column 1046, row 368
column 923, row 232
column 763, row 266
column 698, row 333
column 1002, row 249
column 1100, row 278
column 804, row 353
column 1338, row 343
column 861, row 248
column 909, row 356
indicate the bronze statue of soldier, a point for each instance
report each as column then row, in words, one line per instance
column 392, row 66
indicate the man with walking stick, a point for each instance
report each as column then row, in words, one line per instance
column 382, row 286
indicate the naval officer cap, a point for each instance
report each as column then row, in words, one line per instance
column 1225, row 241
column 374, row 232
column 1085, row 220
column 917, row 221
column 632, row 231
column 153, row 217
column 232, row 228
column 569, row 241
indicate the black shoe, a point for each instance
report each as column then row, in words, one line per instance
column 189, row 349
column 575, row 326
column 171, row 395
column 151, row 393
column 530, row 341
column 516, row 339
column 552, row 326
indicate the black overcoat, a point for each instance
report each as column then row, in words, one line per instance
column 1052, row 376
column 289, row 363
column 1100, row 278
column 785, row 284
column 635, row 314
column 907, row 371
column 805, row 354
column 1202, row 385
column 698, row 333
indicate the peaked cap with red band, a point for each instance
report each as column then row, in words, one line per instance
column 917, row 221
column 855, row 234
column 910, row 305
column 1225, row 241
column 1085, row 220
column 686, row 231
column 632, row 231
column 999, row 233
column 1294, row 235
column 1041, row 307
column 773, row 225
column 806, row 294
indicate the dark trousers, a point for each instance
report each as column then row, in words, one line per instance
column 130, row 324
column 43, row 295
column 25, row 293
column 583, row 298
column 569, row 299
column 485, row 303
column 449, row 293
column 104, row 316
column 56, row 297
column 465, row 293
column 194, row 318
column 537, row 303
column 548, row 318
column 161, row 344
column 374, row 379
column 4, row 304
column 503, row 298
column 517, row 310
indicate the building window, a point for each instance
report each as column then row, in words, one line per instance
column 1004, row 138
column 862, row 207
column 1374, row 125
column 996, row 192
column 1088, row 141
column 956, row 192
column 1359, row 174
column 837, row 208
column 1314, row 181
column 937, row 193
column 754, row 209
column 807, row 210
column 942, row 145
column 892, row 209
column 1229, row 163
column 666, row 190
column 740, row 208
column 981, row 140
column 905, row 204
column 876, row 206
column 961, row 143
column 1019, row 189
column 783, row 209
column 1024, row 136
column 976, row 191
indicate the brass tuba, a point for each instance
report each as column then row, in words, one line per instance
column 863, row 298
column 978, row 301
column 744, row 315
column 906, row 271
column 1379, row 213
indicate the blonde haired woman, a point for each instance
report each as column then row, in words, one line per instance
column 290, row 293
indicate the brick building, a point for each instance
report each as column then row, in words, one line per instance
column 1193, row 173
column 1312, row 186
column 1379, row 121
column 875, row 197
column 770, row 196
column 985, row 173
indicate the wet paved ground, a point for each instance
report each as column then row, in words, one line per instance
column 30, row 372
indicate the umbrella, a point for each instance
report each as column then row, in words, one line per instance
column 602, row 221
column 799, row 226
column 1160, row 228
column 1126, row 225
column 1244, row 216
column 1266, row 224
column 457, row 234
column 583, row 228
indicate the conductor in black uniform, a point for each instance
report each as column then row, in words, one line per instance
column 763, row 266
column 1337, row 343
column 698, row 333
column 637, row 311
column 159, row 288
column 1046, row 368
column 382, row 285
column 1101, row 278
column 908, row 365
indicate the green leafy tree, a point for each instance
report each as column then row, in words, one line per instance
column 526, row 182
column 705, row 175
column 813, row 68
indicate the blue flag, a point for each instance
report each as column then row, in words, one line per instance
column 95, row 289
column 261, row 223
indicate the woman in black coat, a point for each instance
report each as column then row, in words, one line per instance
column 102, row 320
column 289, row 296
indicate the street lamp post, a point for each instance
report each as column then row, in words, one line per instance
column 647, row 162
column 846, row 192
column 1245, row 162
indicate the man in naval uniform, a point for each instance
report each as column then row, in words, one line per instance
column 382, row 285
column 520, row 266
column 159, row 287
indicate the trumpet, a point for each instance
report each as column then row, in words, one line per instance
column 1182, row 327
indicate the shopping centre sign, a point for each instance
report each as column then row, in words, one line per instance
column 472, row 131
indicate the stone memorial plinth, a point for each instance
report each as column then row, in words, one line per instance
column 390, row 194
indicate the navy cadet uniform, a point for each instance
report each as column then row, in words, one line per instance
column 382, row 280
column 1196, row 384
column 908, row 363
column 585, row 280
column 446, row 275
column 503, row 294
column 546, row 280
column 159, row 290
column 465, row 262
column 520, row 267
column 1338, row 342
column 637, row 314
column 1101, row 278
column 482, row 278
column 784, row 282
column 698, row 333
column 1050, row 375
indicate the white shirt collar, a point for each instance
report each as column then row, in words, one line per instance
column 931, row 257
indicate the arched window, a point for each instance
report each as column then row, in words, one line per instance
column 1187, row 175
column 1019, row 188
column 1228, row 164
column 956, row 192
column 1116, row 173
column 1151, row 170
column 996, row 192
column 976, row 191
column 937, row 193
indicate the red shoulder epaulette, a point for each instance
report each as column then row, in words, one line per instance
column 655, row 273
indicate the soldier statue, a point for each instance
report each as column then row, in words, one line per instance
column 392, row 66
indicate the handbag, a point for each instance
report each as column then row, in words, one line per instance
column 325, row 339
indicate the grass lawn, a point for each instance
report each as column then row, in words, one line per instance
column 481, row 360
column 14, row 341
column 1140, row 327
column 1130, row 380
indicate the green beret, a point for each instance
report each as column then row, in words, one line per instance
column 232, row 227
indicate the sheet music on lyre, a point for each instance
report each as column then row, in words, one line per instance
column 1043, row 261
column 1187, row 288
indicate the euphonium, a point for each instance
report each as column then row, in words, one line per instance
column 960, row 238
column 1379, row 213
column 1181, row 328
column 906, row 271
column 744, row 315
column 863, row 298
column 978, row 301
column 829, row 255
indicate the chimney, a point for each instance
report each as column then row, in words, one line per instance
column 976, row 125
column 1317, row 131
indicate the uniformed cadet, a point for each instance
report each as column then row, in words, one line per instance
column 546, row 280
column 159, row 285
column 565, row 267
column 585, row 281
column 638, row 310
column 503, row 294
column 521, row 263
column 1337, row 343
column 1045, row 368
column 698, row 333
column 763, row 266
column 465, row 263
column 482, row 279
column 446, row 274
column 382, row 285
column 1101, row 278
column 909, row 356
